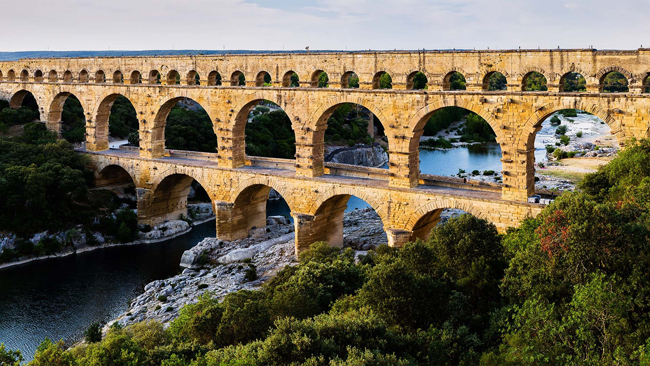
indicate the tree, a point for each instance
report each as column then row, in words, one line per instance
column 419, row 81
column 9, row 357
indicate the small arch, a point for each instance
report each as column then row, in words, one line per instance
column 173, row 78
column 238, row 79
column 154, row 77
column 417, row 80
column 24, row 75
column 193, row 78
column 382, row 80
column 573, row 82
column 454, row 80
column 100, row 77
column 495, row 81
column 349, row 80
column 118, row 77
column 136, row 77
column 1, row 75
column 613, row 82
column 290, row 80
column 646, row 84
column 84, row 77
column 53, row 76
column 319, row 79
column 214, row 78
column 11, row 75
column 534, row 81
column 38, row 76
column 263, row 78
column 67, row 76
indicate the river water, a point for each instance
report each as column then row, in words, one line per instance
column 59, row 298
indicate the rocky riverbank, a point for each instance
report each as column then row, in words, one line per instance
column 78, row 241
column 366, row 155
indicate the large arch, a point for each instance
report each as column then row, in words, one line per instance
column 168, row 199
column 74, row 131
column 18, row 98
column 427, row 216
column 157, row 135
column 102, row 119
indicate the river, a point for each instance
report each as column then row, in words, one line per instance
column 59, row 298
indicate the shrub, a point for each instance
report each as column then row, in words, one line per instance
column 9, row 357
column 555, row 120
column 549, row 149
column 475, row 172
column 93, row 333
column 561, row 130
column 162, row 298
column 564, row 140
column 579, row 134
column 251, row 273
column 488, row 172
column 559, row 154
column 203, row 286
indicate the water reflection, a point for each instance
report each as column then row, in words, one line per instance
column 485, row 156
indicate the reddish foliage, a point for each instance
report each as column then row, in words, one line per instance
column 554, row 234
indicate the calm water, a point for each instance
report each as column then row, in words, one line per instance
column 59, row 298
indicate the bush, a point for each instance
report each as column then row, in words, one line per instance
column 559, row 154
column 579, row 134
column 549, row 149
column 561, row 130
column 440, row 143
column 93, row 333
column 488, row 172
column 555, row 120
column 162, row 298
column 9, row 357
column 475, row 172
column 251, row 273
column 564, row 140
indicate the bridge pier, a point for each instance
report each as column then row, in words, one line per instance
column 398, row 237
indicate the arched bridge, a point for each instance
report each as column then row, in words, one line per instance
column 405, row 199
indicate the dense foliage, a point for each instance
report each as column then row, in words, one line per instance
column 496, row 81
column 349, row 124
column 13, row 117
column 457, row 81
column 475, row 128
column 123, row 119
column 190, row 129
column 569, row 287
column 615, row 82
column 573, row 82
column 271, row 135
column 535, row 81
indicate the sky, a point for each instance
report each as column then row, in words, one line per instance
column 66, row 25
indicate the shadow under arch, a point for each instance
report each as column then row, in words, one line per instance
column 168, row 200
column 427, row 216
column 24, row 97
column 327, row 224
column 111, row 175
column 157, row 136
column 495, row 80
column 102, row 119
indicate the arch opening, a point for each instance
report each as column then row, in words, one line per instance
column 291, row 80
column 117, row 122
column 350, row 80
column 646, row 84
column 237, row 79
column 426, row 223
column 67, row 76
column 263, row 79
column 173, row 78
column 214, row 78
column 353, row 135
column 68, row 109
column 320, row 79
column 184, row 126
column 11, row 75
column 495, row 81
column 118, row 77
column 193, row 78
column 253, row 208
column 454, row 81
column 268, row 130
column 534, row 81
column 176, row 197
column 24, row 76
column 118, row 180
column 1, row 75
column 341, row 218
column 154, row 77
column 38, row 76
column 21, row 109
column 456, row 142
column 84, row 77
column 573, row 82
column 614, row 82
column 417, row 81
column 382, row 80
column 136, row 78
column 53, row 76
column 100, row 77
column 568, row 144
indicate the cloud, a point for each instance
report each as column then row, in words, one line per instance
column 321, row 24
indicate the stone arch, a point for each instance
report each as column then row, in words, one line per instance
column 602, row 74
column 11, row 75
column 528, row 73
column 18, row 96
column 235, row 78
column 38, row 76
column 168, row 198
column 242, row 109
column 1, row 75
column 286, row 79
column 84, row 77
column 377, row 203
column 262, row 77
column 186, row 171
column 101, row 120
column 446, row 80
column 562, row 80
column 173, row 77
column 136, row 77
column 193, row 78
column 645, row 83
column 118, row 77
column 67, row 76
column 56, row 107
column 52, row 76
column 427, row 216
column 376, row 78
column 315, row 77
column 157, row 135
column 214, row 78
column 24, row 75
column 345, row 79
column 411, row 77
column 100, row 76
column 267, row 181
column 154, row 77
column 318, row 119
column 489, row 74
column 108, row 174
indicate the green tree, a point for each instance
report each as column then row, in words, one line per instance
column 419, row 81
column 9, row 357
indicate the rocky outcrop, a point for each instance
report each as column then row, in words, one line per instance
column 167, row 229
column 364, row 155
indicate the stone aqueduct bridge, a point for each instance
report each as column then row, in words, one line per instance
column 409, row 203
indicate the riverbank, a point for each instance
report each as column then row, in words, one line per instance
column 161, row 232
